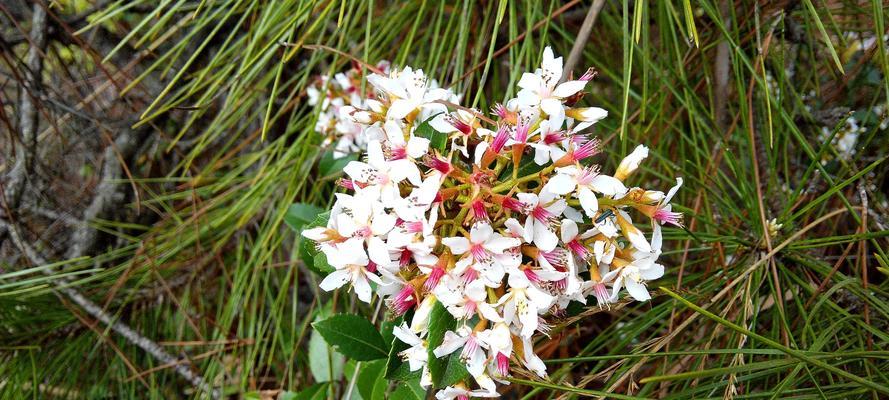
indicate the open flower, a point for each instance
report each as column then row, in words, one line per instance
column 586, row 181
column 542, row 88
column 381, row 175
column 350, row 262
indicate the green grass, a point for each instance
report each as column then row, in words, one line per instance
column 743, row 313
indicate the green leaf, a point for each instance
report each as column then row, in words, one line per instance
column 314, row 392
column 371, row 382
column 353, row 336
column 437, row 140
column 319, row 264
column 447, row 370
column 410, row 390
column 322, row 361
column 329, row 166
column 300, row 214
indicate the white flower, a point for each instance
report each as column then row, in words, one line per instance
column 382, row 176
column 350, row 261
column 399, row 148
column 498, row 341
column 482, row 243
column 531, row 360
column 633, row 276
column 587, row 116
column 417, row 356
column 585, row 180
column 470, row 342
column 631, row 162
column 522, row 303
column 408, row 91
column 543, row 88
column 664, row 214
column 459, row 393
column 543, row 211
column 551, row 143
column 463, row 300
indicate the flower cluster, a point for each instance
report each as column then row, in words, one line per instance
column 504, row 220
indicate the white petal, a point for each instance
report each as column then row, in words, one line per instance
column 608, row 185
column 379, row 254
column 568, row 88
column 530, row 81
column 544, row 238
column 359, row 171
column 362, row 288
column 561, row 184
column 552, row 107
column 335, row 280
column 401, row 108
column 387, row 85
column 568, row 230
column 481, row 232
column 637, row 290
column 498, row 244
column 449, row 344
column 673, row 190
column 417, row 147
column 588, row 201
column 653, row 272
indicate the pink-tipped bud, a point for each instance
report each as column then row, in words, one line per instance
column 404, row 300
column 500, row 111
column 461, row 126
column 479, row 212
column 500, row 139
column 502, row 364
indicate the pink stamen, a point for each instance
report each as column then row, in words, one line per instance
column 531, row 275
column 346, row 183
column 470, row 308
column 462, row 397
column 500, row 139
column 601, row 293
column 521, row 132
column 671, row 217
column 557, row 258
column 413, row 227
column 460, row 125
column 510, row 203
column 587, row 174
column 588, row 75
column 579, row 249
column 397, row 153
column 500, row 111
column 502, row 364
column 404, row 300
column 478, row 210
column 405, row 259
column 469, row 347
column 541, row 214
column 364, row 232
column 587, row 149
column 371, row 267
column 434, row 278
column 553, row 137
column 479, row 253
column 469, row 276
column 438, row 164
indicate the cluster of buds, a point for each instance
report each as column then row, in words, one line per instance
column 504, row 223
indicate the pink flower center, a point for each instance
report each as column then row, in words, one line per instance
column 557, row 258
column 398, row 153
column 587, row 149
column 531, row 275
column 364, row 232
column 553, row 137
column 460, row 125
column 371, row 267
column 521, row 132
column 439, row 165
column 470, row 307
column 510, row 203
column 601, row 293
column 586, row 175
